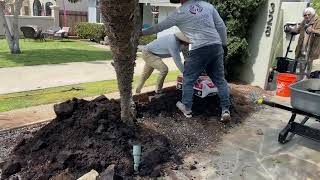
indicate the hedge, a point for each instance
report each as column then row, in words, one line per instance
column 144, row 40
column 92, row 31
column 237, row 15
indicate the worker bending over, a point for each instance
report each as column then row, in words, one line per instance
column 164, row 47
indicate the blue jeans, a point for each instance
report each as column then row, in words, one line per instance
column 210, row 59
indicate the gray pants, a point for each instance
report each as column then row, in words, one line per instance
column 305, row 68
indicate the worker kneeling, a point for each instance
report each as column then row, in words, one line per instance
column 164, row 47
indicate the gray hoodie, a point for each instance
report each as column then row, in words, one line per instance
column 199, row 21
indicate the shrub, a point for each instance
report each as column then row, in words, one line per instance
column 144, row 40
column 91, row 31
column 237, row 15
column 316, row 6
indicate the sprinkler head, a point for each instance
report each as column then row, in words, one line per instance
column 136, row 152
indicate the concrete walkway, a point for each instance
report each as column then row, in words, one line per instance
column 17, row 79
column 252, row 152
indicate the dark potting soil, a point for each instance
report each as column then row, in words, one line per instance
column 89, row 135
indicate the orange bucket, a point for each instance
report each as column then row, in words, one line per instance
column 283, row 82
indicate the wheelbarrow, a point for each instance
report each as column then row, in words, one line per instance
column 305, row 100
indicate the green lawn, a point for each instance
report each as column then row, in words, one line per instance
column 53, row 95
column 51, row 52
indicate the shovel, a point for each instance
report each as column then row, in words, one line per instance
column 156, row 96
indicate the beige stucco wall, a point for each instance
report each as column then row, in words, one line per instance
column 261, row 47
column 23, row 11
column 263, row 50
column 292, row 12
column 163, row 14
column 79, row 6
column 147, row 15
column 42, row 22
column 277, row 44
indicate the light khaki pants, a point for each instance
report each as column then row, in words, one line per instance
column 152, row 62
column 316, row 65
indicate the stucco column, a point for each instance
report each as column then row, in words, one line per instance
column 55, row 14
column 30, row 8
column 92, row 11
column 262, row 44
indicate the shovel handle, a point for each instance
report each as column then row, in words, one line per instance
column 273, row 104
column 261, row 101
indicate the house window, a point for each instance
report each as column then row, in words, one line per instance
column 48, row 9
column 37, row 8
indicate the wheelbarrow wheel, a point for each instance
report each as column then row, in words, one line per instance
column 282, row 138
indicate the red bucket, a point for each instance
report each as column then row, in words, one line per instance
column 283, row 82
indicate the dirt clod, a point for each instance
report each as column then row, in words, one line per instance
column 109, row 173
column 65, row 175
column 192, row 167
column 39, row 145
column 10, row 168
column 174, row 167
column 156, row 172
column 259, row 132
column 64, row 110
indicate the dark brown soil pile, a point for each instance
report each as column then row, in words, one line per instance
column 203, row 129
column 166, row 105
column 84, row 136
column 89, row 135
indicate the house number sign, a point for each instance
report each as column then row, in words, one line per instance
column 269, row 22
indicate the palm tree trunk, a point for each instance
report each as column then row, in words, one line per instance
column 121, row 18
